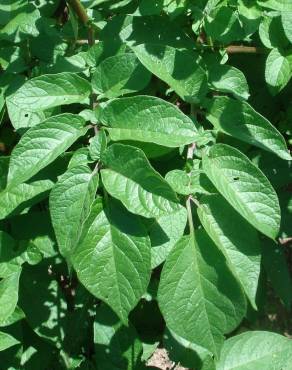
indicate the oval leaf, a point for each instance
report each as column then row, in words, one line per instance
column 113, row 260
column 278, row 71
column 178, row 68
column 148, row 119
column 192, row 302
column 245, row 187
column 256, row 350
column 42, row 144
column 240, row 120
column 51, row 90
column 131, row 179
column 70, row 203
column 119, row 75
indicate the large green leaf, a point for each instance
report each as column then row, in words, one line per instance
column 117, row 347
column 239, row 119
column 70, row 204
column 278, row 71
column 256, row 350
column 51, row 90
column 245, row 187
column 287, row 24
column 42, row 144
column 7, row 341
column 19, row 197
column 118, row 75
column 243, row 254
column 113, row 259
column 178, row 68
column 21, row 26
column 130, row 178
column 148, row 119
column 192, row 302
column 228, row 79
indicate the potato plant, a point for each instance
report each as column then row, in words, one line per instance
column 145, row 183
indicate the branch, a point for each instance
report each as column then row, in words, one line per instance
column 241, row 49
column 81, row 13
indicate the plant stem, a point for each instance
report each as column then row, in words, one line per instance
column 241, row 49
column 83, row 17
column 190, row 216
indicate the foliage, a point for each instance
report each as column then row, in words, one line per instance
column 145, row 181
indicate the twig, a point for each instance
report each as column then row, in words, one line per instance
column 81, row 13
column 241, row 49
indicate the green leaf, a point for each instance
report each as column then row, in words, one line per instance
column 164, row 232
column 243, row 254
column 193, row 182
column 222, row 24
column 117, row 347
column 21, row 26
column 178, row 68
column 148, row 119
column 97, row 145
column 70, row 204
column 245, row 187
column 277, row 72
column 187, row 353
column 192, row 302
column 19, row 197
column 277, row 270
column 272, row 34
column 113, row 258
column 119, row 75
column 228, row 79
column 16, row 316
column 256, row 350
column 286, row 17
column 240, row 120
column 50, row 91
column 282, row 5
column 42, row 144
column 130, row 178
column 9, row 294
column 149, row 30
column 7, row 341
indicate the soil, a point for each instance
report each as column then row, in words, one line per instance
column 160, row 360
